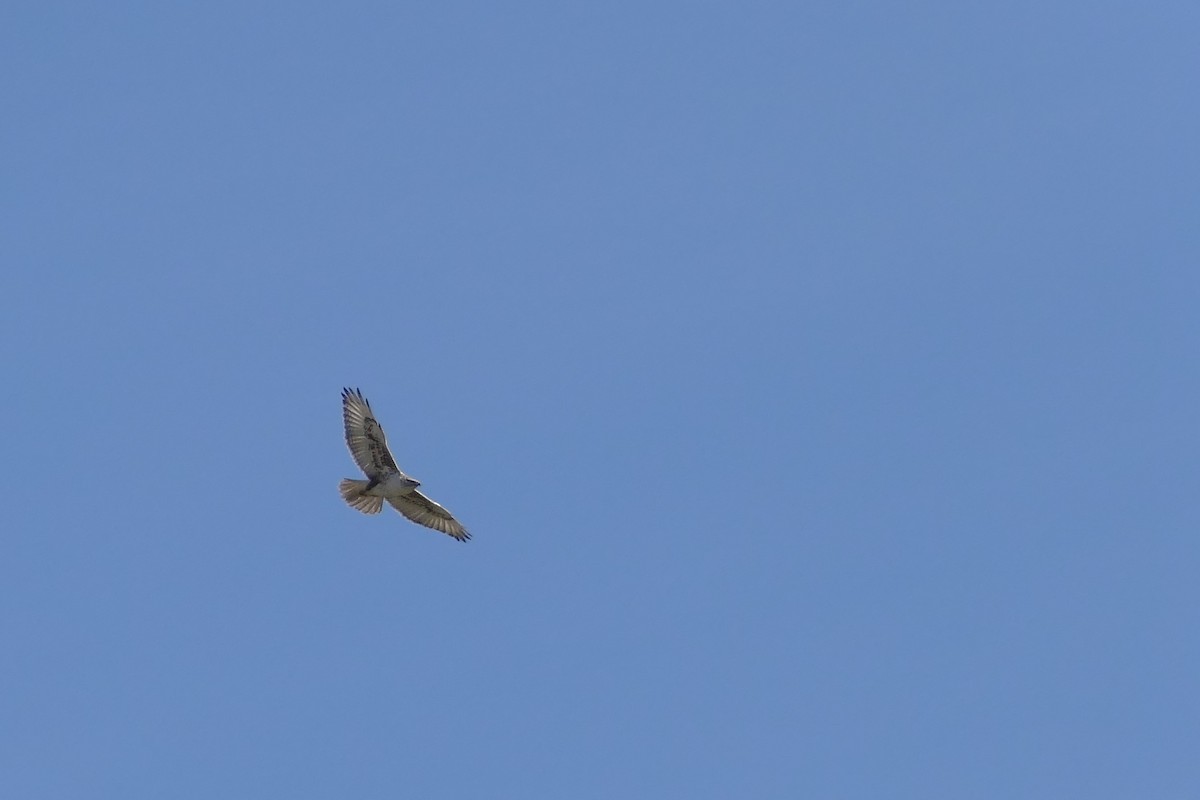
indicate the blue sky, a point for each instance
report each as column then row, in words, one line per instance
column 818, row 381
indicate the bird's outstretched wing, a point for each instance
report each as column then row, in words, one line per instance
column 423, row 511
column 365, row 437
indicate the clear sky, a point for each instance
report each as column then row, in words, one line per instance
column 818, row 380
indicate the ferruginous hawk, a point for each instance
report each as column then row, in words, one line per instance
column 385, row 481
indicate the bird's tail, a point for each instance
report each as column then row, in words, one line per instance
column 352, row 493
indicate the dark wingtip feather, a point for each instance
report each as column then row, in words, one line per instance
column 347, row 393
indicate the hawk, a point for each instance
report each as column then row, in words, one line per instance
column 385, row 481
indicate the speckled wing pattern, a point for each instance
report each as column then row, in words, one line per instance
column 365, row 437
column 368, row 446
column 423, row 511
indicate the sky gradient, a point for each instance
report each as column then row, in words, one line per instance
column 818, row 382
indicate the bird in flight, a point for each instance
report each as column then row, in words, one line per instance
column 385, row 481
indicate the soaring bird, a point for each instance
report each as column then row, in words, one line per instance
column 385, row 481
